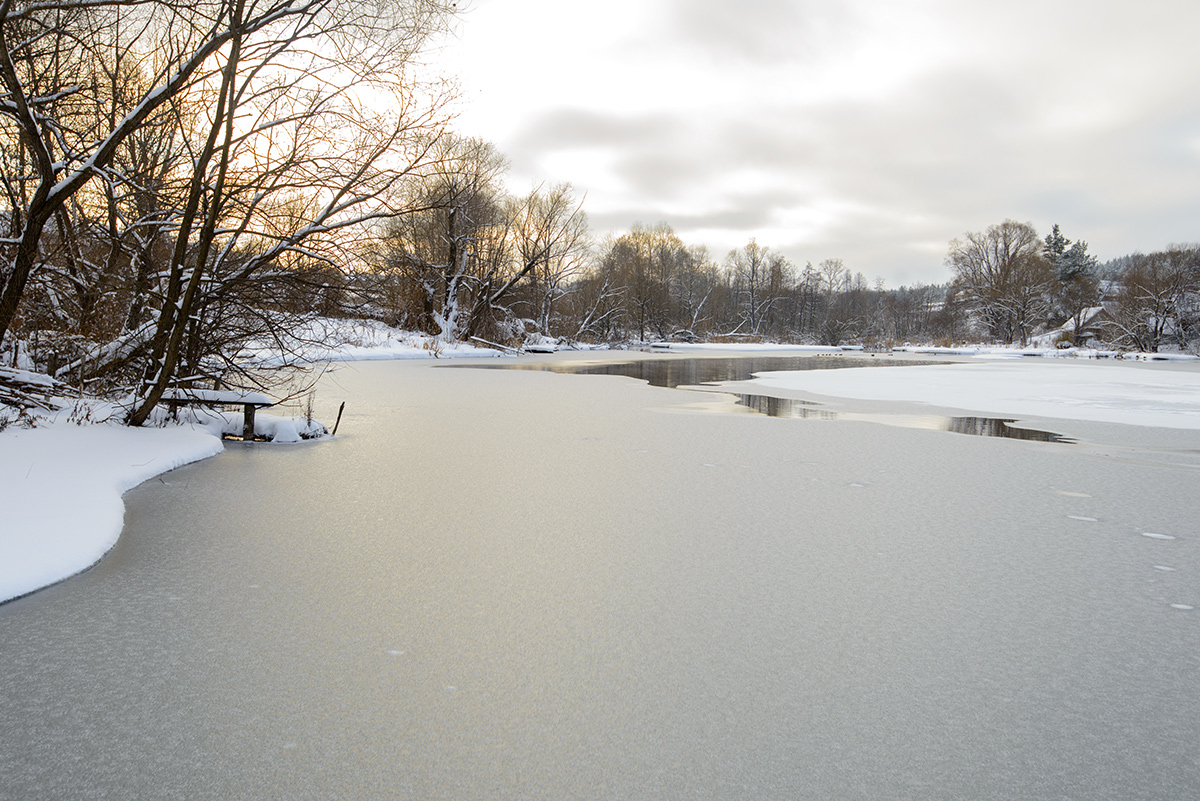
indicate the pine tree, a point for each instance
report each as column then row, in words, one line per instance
column 1076, row 286
column 1056, row 246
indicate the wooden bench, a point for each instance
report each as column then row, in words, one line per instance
column 249, row 401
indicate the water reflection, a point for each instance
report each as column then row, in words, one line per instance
column 687, row 372
column 977, row 426
column 674, row 372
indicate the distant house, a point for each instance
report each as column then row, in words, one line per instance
column 1093, row 321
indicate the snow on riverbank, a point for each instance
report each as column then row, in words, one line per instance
column 61, row 482
column 1164, row 395
column 364, row 340
column 61, row 486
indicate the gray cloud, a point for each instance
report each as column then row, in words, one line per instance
column 760, row 32
column 571, row 127
column 952, row 149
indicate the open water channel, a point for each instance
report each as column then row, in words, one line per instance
column 524, row 585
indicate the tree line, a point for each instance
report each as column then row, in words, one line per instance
column 1007, row 286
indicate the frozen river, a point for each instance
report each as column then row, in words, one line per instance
column 527, row 585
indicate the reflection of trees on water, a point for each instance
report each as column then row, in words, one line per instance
column 671, row 373
column 976, row 426
column 675, row 372
column 996, row 427
column 785, row 407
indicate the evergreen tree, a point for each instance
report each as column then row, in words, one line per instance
column 1076, row 285
column 1055, row 247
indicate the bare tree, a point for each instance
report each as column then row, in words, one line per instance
column 1002, row 274
column 760, row 278
column 1153, row 299
column 550, row 234
column 457, row 235
column 272, row 101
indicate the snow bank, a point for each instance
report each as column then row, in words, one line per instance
column 61, row 487
column 1014, row 352
column 361, row 340
column 1109, row 392
column 61, row 483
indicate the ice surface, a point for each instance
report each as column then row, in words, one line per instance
column 621, row 624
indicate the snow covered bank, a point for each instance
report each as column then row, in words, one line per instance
column 61, row 487
column 1109, row 392
column 363, row 340
column 1015, row 352
column 61, row 483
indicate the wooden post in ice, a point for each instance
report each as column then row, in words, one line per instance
column 248, row 422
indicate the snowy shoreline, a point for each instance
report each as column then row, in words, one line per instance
column 61, row 483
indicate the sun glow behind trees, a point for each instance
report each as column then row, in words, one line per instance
column 270, row 152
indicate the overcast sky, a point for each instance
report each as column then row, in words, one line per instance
column 868, row 130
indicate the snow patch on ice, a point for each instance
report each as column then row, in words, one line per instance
column 1114, row 392
column 1157, row 536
